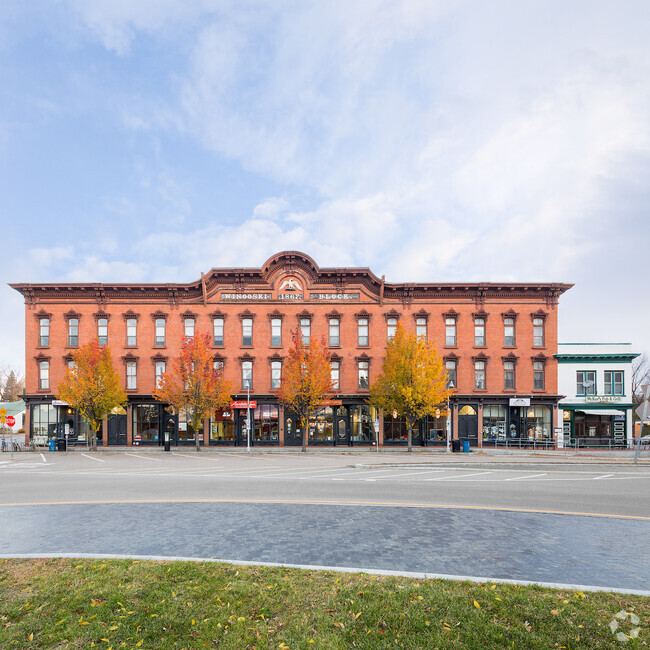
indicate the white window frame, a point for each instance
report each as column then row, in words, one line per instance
column 131, row 375
column 539, row 335
column 305, row 330
column 189, row 327
column 480, row 382
column 335, row 374
column 391, row 328
column 421, row 328
column 364, row 375
column 102, row 331
column 479, row 332
column 363, row 332
column 160, row 332
column 217, row 331
column 44, row 375
column 276, row 374
column 247, row 374
column 276, row 332
column 131, row 332
column 44, row 332
column 334, row 333
column 247, row 332
column 450, row 332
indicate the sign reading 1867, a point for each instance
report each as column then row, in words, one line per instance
column 262, row 297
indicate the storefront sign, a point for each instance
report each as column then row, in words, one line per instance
column 603, row 399
column 332, row 402
column 243, row 405
column 520, row 401
column 289, row 297
column 59, row 402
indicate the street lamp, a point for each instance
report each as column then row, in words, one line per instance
column 450, row 386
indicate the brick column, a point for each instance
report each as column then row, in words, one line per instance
column 479, row 433
column 281, row 426
column 454, row 421
column 129, row 425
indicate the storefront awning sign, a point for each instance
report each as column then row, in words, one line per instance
column 520, row 401
column 243, row 405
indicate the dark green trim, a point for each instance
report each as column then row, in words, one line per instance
column 595, row 358
column 595, row 405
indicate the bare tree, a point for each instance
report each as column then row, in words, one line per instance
column 12, row 384
column 640, row 376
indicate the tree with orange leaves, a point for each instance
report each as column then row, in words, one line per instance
column 306, row 379
column 92, row 385
column 193, row 384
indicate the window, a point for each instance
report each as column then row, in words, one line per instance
column 160, row 331
column 305, row 328
column 44, row 332
column 421, row 327
column 44, row 375
column 131, row 376
column 362, row 332
column 160, row 371
column 189, row 328
column 509, row 332
column 276, row 332
column 585, row 382
column 247, row 374
column 494, row 422
column 538, row 375
column 335, row 340
column 217, row 325
column 479, row 331
column 613, row 382
column 276, row 374
column 247, row 331
column 73, row 332
column 509, row 375
column 538, row 332
column 102, row 331
column 479, row 375
column 391, row 327
column 451, row 373
column 71, row 364
column 218, row 366
column 131, row 331
column 450, row 331
column 335, row 370
column 363, row 375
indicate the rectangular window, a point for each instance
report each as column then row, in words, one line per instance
column 71, row 364
column 509, row 332
column 160, row 371
column 538, row 375
column 73, row 332
column 479, row 375
column 363, row 375
column 276, row 332
column 391, row 327
column 613, row 382
column 131, row 376
column 362, row 332
column 131, row 331
column 335, row 326
column 451, row 374
column 160, row 331
column 585, row 382
column 217, row 325
column 247, row 331
column 335, row 374
column 509, row 375
column 44, row 375
column 305, row 328
column 421, row 328
column 538, row 332
column 479, row 331
column 247, row 374
column 276, row 374
column 102, row 331
column 189, row 328
column 44, row 332
column 450, row 331
column 218, row 366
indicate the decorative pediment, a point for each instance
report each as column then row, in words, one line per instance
column 393, row 313
column 510, row 357
column 511, row 313
column 130, row 314
column 451, row 313
column 540, row 313
column 159, row 314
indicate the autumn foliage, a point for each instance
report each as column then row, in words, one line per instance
column 193, row 384
column 306, row 379
column 92, row 385
column 413, row 381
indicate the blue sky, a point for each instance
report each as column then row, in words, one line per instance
column 150, row 140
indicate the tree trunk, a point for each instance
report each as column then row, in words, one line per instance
column 304, row 424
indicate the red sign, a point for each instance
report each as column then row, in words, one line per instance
column 11, row 420
column 243, row 405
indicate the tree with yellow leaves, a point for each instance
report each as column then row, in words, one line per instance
column 92, row 385
column 194, row 384
column 413, row 382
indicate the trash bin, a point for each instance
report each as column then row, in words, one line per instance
column 466, row 446
column 455, row 445
column 60, row 444
column 52, row 444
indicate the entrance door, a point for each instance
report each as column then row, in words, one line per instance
column 292, row 433
column 117, row 429
column 342, row 438
column 241, row 433
column 468, row 424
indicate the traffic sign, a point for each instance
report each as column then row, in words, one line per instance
column 643, row 411
column 645, row 389
column 11, row 420
column 3, row 411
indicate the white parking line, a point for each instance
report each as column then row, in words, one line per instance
column 516, row 478
column 451, row 478
column 126, row 453
column 604, row 476
column 99, row 460
column 43, row 457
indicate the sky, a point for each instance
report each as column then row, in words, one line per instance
column 432, row 140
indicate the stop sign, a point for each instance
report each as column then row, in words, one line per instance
column 11, row 420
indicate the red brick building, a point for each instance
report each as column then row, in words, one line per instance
column 498, row 341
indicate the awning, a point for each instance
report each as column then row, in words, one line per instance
column 602, row 411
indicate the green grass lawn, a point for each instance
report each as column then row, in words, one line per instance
column 141, row 604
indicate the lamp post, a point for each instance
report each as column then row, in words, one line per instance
column 248, row 417
column 450, row 385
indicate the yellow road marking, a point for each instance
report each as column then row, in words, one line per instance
column 323, row 502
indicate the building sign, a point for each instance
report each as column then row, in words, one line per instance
column 246, row 296
column 334, row 296
column 243, row 404
column 290, row 296
column 520, row 401
column 603, row 399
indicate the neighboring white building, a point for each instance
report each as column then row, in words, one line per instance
column 597, row 381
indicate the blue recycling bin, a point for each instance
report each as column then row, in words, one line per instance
column 466, row 446
column 52, row 444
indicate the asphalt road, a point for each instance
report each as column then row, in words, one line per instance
column 505, row 518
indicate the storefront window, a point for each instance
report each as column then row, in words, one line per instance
column 321, row 426
column 494, row 422
column 146, row 423
column 363, row 427
column 538, row 423
column 395, row 429
column 222, row 427
column 43, row 423
column 265, row 423
column 186, row 431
